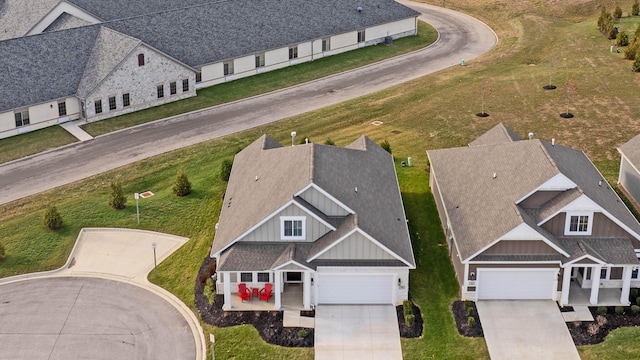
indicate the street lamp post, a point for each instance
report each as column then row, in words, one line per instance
column 213, row 342
column 154, row 246
column 137, row 196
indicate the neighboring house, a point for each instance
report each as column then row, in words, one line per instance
column 206, row 42
column 531, row 219
column 325, row 219
column 629, row 176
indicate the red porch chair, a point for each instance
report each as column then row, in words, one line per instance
column 265, row 292
column 243, row 292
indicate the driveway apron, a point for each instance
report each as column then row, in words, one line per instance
column 525, row 329
column 357, row 332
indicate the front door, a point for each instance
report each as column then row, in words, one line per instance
column 293, row 277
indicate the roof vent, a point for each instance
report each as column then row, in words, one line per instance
column 293, row 138
column 306, row 140
column 553, row 142
column 256, row 177
column 495, row 175
column 599, row 182
column 530, row 136
column 356, row 189
column 359, row 8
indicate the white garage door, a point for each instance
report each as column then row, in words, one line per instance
column 355, row 288
column 516, row 284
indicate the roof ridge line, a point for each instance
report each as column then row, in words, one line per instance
column 312, row 162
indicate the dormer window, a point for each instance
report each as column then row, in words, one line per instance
column 578, row 223
column 140, row 59
column 292, row 227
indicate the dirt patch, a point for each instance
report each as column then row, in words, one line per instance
column 594, row 332
column 462, row 312
column 406, row 331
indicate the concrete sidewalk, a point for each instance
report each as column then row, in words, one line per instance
column 73, row 129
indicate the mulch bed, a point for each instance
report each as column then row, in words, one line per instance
column 593, row 332
column 461, row 315
column 406, row 331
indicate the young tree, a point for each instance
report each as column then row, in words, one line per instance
column 570, row 89
column 622, row 39
column 182, row 185
column 631, row 51
column 329, row 142
column 617, row 13
column 117, row 200
column 2, row 254
column 385, row 145
column 635, row 8
column 225, row 169
column 52, row 219
column 636, row 64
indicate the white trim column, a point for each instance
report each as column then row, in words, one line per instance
column 595, row 284
column 306, row 293
column 278, row 289
column 626, row 285
column 566, row 285
column 226, row 276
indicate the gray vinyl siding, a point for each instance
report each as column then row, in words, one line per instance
column 356, row 247
column 439, row 205
column 509, row 247
column 602, row 227
column 630, row 179
column 458, row 267
column 538, row 198
column 270, row 230
column 323, row 203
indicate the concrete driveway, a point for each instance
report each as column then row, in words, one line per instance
column 354, row 332
column 525, row 329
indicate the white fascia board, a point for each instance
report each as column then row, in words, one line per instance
column 313, row 215
column 526, row 232
column 558, row 182
column 290, row 262
column 62, row 7
column 513, row 262
column 586, row 256
column 331, row 197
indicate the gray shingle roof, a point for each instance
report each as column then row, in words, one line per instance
column 217, row 31
column 482, row 208
column 498, row 134
column 122, row 9
column 66, row 21
column 17, row 17
column 611, row 251
column 59, row 57
column 631, row 150
column 283, row 171
column 262, row 256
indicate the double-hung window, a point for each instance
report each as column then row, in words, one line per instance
column 185, row 85
column 112, row 103
column 98, row 106
column 361, row 36
column 160, row 91
column 246, row 277
column 293, row 52
column 126, row 100
column 326, row 44
column 578, row 223
column 62, row 108
column 292, row 227
column 228, row 67
column 173, row 89
column 263, row 277
column 259, row 60
column 22, row 118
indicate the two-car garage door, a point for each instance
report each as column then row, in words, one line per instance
column 516, row 284
column 355, row 288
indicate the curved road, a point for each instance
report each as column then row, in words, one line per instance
column 461, row 37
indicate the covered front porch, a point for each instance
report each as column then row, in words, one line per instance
column 291, row 299
column 596, row 284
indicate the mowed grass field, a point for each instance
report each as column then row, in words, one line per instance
column 540, row 42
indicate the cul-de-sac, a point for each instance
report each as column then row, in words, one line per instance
column 303, row 179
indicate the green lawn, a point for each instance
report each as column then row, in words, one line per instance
column 34, row 142
column 536, row 39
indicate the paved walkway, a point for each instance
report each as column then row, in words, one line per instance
column 357, row 332
column 525, row 329
column 73, row 129
column 461, row 36
column 103, row 296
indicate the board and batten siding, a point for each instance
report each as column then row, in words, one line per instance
column 322, row 203
column 510, row 247
column 602, row 227
column 630, row 179
column 40, row 116
column 356, row 247
column 270, row 230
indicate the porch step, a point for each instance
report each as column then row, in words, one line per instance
column 293, row 319
column 579, row 313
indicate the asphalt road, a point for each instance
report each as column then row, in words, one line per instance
column 461, row 37
column 88, row 318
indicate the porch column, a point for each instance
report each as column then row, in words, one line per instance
column 595, row 284
column 226, row 276
column 566, row 284
column 306, row 290
column 278, row 288
column 626, row 285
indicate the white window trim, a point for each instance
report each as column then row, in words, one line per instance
column 567, row 222
column 292, row 218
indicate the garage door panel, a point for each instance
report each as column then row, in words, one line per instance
column 516, row 284
column 354, row 289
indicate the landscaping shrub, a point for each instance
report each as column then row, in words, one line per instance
column 470, row 311
column 385, row 145
column 635, row 8
column 471, row 321
column 602, row 310
column 619, row 310
column 638, row 300
column 182, row 185
column 631, row 51
column 303, row 333
column 209, row 291
column 617, row 13
column 406, row 307
column 636, row 63
column 409, row 320
column 468, row 304
column 1, row 252
column 622, row 39
column 329, row 142
column 633, row 293
column 635, row 309
column 52, row 219
column 225, row 169
column 116, row 199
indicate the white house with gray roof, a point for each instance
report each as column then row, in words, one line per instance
column 321, row 222
column 102, row 59
column 531, row 219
